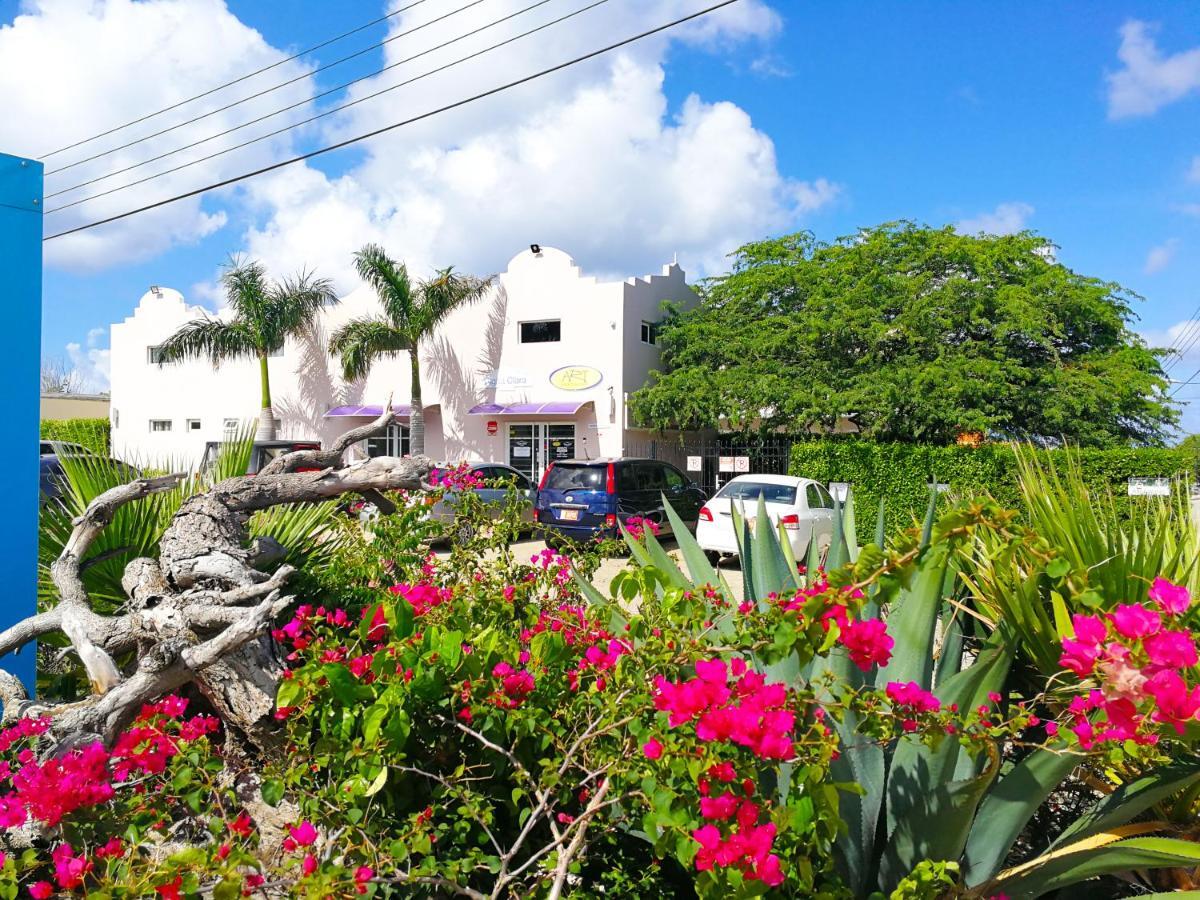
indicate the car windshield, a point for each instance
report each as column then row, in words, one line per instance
column 575, row 478
column 749, row 490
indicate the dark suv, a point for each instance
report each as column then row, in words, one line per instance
column 584, row 499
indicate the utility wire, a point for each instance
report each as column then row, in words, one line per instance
column 1190, row 328
column 238, row 80
column 378, row 131
column 1184, row 348
column 343, row 106
column 262, row 93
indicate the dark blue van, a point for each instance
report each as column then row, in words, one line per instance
column 584, row 499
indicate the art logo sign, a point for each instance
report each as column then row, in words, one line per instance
column 576, row 378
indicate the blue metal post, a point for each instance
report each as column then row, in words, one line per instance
column 20, row 361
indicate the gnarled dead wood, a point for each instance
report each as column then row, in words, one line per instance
column 202, row 611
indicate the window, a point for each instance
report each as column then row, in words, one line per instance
column 675, row 479
column 160, row 424
column 649, row 333
column 544, row 332
column 813, row 494
column 192, row 425
column 154, row 355
column 750, row 491
column 576, row 477
column 650, row 477
column 393, row 443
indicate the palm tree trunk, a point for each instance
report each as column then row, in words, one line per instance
column 416, row 424
column 266, row 418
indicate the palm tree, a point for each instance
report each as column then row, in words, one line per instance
column 265, row 314
column 411, row 313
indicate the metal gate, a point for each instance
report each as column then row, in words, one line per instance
column 767, row 456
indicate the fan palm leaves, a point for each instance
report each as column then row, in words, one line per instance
column 412, row 310
column 265, row 314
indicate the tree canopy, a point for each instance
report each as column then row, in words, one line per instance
column 916, row 334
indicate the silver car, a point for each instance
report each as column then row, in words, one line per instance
column 498, row 485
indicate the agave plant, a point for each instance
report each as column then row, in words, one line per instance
column 916, row 803
column 310, row 533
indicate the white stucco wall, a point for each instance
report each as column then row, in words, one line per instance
column 475, row 357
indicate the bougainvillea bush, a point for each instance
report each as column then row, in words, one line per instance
column 485, row 724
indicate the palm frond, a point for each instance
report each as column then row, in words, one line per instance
column 246, row 288
column 444, row 293
column 293, row 304
column 214, row 339
column 390, row 281
column 360, row 342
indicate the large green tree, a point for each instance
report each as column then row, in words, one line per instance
column 916, row 334
column 265, row 314
column 411, row 312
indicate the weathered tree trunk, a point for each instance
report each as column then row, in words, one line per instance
column 202, row 611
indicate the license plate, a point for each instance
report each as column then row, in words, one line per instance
column 569, row 515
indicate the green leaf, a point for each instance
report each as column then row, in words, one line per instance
column 1008, row 807
column 377, row 785
column 913, row 619
column 768, row 569
column 373, row 721
column 272, row 791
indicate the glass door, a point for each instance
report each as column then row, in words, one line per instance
column 532, row 446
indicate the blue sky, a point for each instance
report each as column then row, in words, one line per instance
column 835, row 116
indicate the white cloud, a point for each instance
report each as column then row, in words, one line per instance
column 1006, row 218
column 1193, row 172
column 1148, row 80
column 1188, row 209
column 1160, row 257
column 90, row 362
column 591, row 160
column 69, row 69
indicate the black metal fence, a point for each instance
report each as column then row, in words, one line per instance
column 766, row 456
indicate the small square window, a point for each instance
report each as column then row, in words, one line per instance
column 649, row 333
column 160, row 424
column 547, row 331
column 154, row 355
column 193, row 425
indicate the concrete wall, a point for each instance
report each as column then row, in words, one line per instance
column 74, row 406
column 474, row 358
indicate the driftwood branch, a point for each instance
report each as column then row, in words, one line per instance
column 201, row 612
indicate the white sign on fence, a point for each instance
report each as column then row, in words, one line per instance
column 741, row 464
column 725, row 464
column 1140, row 486
column 695, row 464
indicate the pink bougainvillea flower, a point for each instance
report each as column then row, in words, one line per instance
column 867, row 643
column 242, row 825
column 69, row 869
column 170, row 890
column 1089, row 629
column 1176, row 705
column 362, row 876
column 304, row 834
column 41, row 890
column 652, row 749
column 1171, row 649
column 1172, row 599
column 912, row 696
column 1079, row 657
column 309, row 864
column 1134, row 620
column 722, row 807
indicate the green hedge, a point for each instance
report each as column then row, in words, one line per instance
column 901, row 473
column 91, row 433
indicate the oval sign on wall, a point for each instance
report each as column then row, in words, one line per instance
column 576, row 378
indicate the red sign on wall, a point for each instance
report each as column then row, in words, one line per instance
column 492, row 426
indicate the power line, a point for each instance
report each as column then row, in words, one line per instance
column 1180, row 351
column 1189, row 331
column 238, row 80
column 343, row 106
column 378, row 131
column 262, row 93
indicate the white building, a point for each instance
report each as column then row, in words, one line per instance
column 540, row 369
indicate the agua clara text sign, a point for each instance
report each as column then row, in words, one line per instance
column 1149, row 486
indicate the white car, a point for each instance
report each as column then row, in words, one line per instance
column 801, row 505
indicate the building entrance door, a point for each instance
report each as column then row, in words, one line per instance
column 532, row 446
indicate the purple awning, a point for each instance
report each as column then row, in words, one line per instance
column 367, row 412
column 551, row 408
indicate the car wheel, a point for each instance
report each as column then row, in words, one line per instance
column 713, row 557
column 464, row 533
